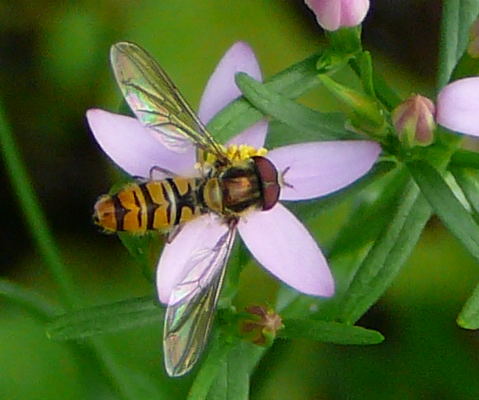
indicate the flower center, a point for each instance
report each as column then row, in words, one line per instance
column 237, row 153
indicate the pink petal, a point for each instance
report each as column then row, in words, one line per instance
column 283, row 246
column 458, row 106
column 195, row 238
column 221, row 88
column 135, row 148
column 317, row 168
column 253, row 136
column 335, row 14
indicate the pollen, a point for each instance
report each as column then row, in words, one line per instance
column 237, row 153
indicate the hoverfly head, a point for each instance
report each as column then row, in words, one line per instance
column 268, row 175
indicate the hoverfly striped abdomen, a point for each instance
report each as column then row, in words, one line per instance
column 152, row 205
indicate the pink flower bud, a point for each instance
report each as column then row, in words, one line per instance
column 414, row 121
column 335, row 14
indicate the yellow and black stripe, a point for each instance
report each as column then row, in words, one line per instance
column 152, row 205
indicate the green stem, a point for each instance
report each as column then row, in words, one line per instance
column 34, row 217
column 37, row 224
column 34, row 303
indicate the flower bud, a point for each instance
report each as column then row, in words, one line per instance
column 414, row 121
column 335, row 14
column 262, row 325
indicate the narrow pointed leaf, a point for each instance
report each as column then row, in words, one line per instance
column 362, row 227
column 468, row 181
column 469, row 316
column 329, row 332
column 107, row 318
column 465, row 158
column 367, row 220
column 457, row 17
column 446, row 205
column 215, row 361
column 319, row 126
column 233, row 380
column 28, row 299
column 382, row 90
column 240, row 114
column 386, row 257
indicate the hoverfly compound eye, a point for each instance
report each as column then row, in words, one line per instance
column 268, row 175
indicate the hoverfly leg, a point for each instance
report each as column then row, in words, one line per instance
column 165, row 173
column 173, row 233
column 282, row 181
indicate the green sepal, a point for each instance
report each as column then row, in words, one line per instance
column 343, row 45
column 365, row 115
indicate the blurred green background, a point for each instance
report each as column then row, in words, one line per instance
column 54, row 66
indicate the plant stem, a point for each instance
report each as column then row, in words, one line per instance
column 33, row 214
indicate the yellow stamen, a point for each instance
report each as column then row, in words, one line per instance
column 238, row 153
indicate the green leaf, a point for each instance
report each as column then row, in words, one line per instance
column 362, row 227
column 34, row 217
column 329, row 332
column 214, row 362
column 386, row 257
column 446, row 205
column 131, row 383
column 319, row 126
column 465, row 158
column 367, row 220
column 457, row 17
column 381, row 90
column 240, row 114
column 468, row 181
column 28, row 299
column 469, row 316
column 107, row 318
column 233, row 380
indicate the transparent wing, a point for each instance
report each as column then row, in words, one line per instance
column 190, row 313
column 156, row 101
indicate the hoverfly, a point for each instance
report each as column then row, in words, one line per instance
column 226, row 188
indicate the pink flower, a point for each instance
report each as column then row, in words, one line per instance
column 457, row 106
column 335, row 14
column 276, row 238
